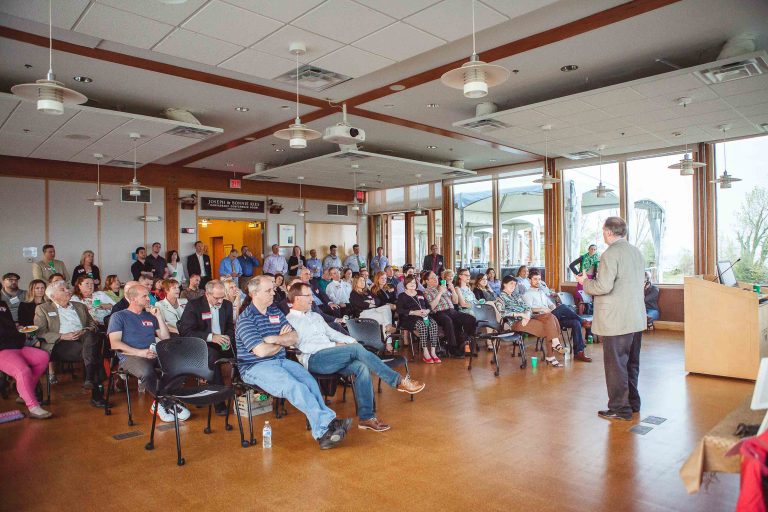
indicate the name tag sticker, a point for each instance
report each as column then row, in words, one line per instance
column 206, row 316
column 274, row 319
column 14, row 300
column 147, row 323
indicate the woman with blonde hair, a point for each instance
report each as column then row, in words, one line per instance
column 112, row 289
column 235, row 296
column 87, row 268
column 35, row 297
column 170, row 305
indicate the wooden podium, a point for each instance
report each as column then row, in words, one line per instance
column 726, row 330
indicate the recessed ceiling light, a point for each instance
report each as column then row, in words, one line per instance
column 230, row 164
column 285, row 107
column 83, row 79
column 250, row 138
column 396, row 87
column 389, row 105
column 492, row 160
column 569, row 67
column 433, row 105
column 242, row 109
column 279, row 150
column 431, row 147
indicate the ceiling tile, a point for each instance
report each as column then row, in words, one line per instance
column 172, row 14
column 654, row 116
column 278, row 43
column 264, row 65
column 584, row 118
column 230, row 23
column 197, row 47
column 515, row 8
column 64, row 13
column 26, row 117
column 747, row 99
column 399, row 42
column 758, row 109
column 19, row 145
column 452, row 19
column 674, row 84
column 744, row 85
column 122, row 27
column 564, row 108
column 607, row 124
column 357, row 20
column 626, row 109
column 613, row 97
column 398, row 8
column 352, row 62
column 527, row 118
column 283, row 10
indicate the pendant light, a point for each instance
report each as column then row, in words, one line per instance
column 98, row 199
column 725, row 180
column 300, row 210
column 134, row 188
column 687, row 164
column 474, row 77
column 297, row 134
column 418, row 210
column 50, row 95
column 546, row 180
column 601, row 190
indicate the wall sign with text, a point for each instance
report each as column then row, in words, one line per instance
column 231, row 205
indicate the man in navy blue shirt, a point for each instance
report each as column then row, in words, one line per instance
column 261, row 335
column 249, row 264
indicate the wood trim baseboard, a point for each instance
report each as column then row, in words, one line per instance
column 664, row 325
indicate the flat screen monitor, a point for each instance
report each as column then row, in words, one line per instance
column 725, row 273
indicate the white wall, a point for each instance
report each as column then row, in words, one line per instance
column 72, row 225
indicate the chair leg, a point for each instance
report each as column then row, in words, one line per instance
column 128, row 398
column 496, row 356
column 151, row 444
column 523, row 356
column 207, row 429
column 249, row 396
column 179, row 458
column 379, row 385
column 243, row 442
column 47, row 401
column 472, row 348
column 227, row 426
column 107, row 409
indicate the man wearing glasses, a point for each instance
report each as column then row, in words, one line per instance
column 211, row 318
column 262, row 335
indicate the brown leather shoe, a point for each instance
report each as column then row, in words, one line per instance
column 410, row 386
column 373, row 424
column 581, row 356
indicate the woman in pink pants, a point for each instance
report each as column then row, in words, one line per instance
column 25, row 364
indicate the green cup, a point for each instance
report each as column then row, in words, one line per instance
column 756, row 288
column 96, row 302
column 426, row 321
column 534, row 361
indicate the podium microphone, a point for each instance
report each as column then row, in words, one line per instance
column 717, row 277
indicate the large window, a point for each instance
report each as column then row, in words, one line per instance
column 437, row 229
column 742, row 211
column 397, row 239
column 521, row 217
column 660, row 216
column 584, row 211
column 420, row 239
column 473, row 224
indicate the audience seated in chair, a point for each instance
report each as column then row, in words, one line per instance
column 363, row 304
column 261, row 336
column 35, row 296
column 193, row 291
column 651, row 299
column 325, row 351
column 457, row 326
column 170, row 306
column 413, row 310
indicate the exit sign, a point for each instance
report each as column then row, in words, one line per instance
column 235, row 183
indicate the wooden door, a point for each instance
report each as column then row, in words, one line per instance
column 217, row 249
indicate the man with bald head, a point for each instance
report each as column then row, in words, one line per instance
column 211, row 318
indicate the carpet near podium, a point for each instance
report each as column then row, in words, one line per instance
column 529, row 440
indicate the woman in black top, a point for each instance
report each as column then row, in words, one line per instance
column 296, row 261
column 35, row 297
column 481, row 290
column 280, row 294
column 87, row 268
column 382, row 291
column 363, row 304
column 413, row 309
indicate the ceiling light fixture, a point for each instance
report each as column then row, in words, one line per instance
column 725, row 180
column 242, row 109
column 492, row 160
column 601, row 190
column 204, row 222
column 389, row 105
column 301, row 211
column 418, row 210
column 355, row 202
column 546, row 180
column 279, row 150
column 297, row 134
column 569, row 68
column 431, row 147
column 82, row 79
column 98, row 199
column 687, row 164
column 397, row 87
column 51, row 96
column 474, row 77
column 433, row 105
column 134, row 188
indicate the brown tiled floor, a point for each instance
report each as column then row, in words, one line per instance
column 529, row 440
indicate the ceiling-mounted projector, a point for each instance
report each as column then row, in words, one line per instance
column 344, row 134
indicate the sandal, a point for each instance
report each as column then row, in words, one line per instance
column 427, row 360
column 553, row 362
column 558, row 348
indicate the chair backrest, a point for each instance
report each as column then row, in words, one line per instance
column 367, row 331
column 566, row 298
column 182, row 357
column 485, row 314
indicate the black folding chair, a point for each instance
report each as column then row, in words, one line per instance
column 485, row 314
column 188, row 357
column 247, row 390
column 116, row 370
column 367, row 331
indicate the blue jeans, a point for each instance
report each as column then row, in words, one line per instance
column 653, row 313
column 355, row 360
column 568, row 318
column 288, row 379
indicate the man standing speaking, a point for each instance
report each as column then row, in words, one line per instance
column 619, row 317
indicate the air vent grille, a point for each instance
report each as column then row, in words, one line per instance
column 124, row 163
column 748, row 68
column 351, row 156
column 483, row 125
column 262, row 177
column 191, row 133
column 338, row 210
column 582, row 155
column 456, row 173
column 314, row 78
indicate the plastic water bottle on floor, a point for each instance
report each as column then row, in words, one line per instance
column 266, row 435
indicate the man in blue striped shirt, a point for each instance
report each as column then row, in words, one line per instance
column 261, row 335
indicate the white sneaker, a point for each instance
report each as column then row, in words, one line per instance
column 166, row 416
